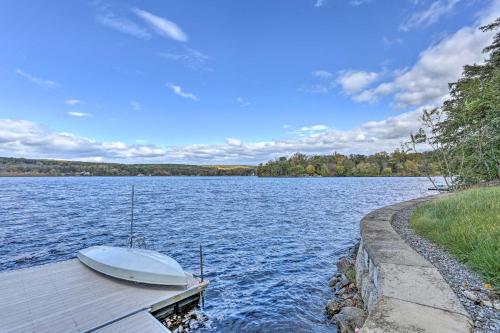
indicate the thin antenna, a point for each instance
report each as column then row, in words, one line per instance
column 131, row 237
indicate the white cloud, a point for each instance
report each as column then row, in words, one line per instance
column 28, row 139
column 354, row 81
column 319, row 3
column 135, row 105
column 439, row 65
column 321, row 88
column 358, row 2
column 426, row 82
column 429, row 15
column 373, row 95
column 243, row 102
column 443, row 63
column 233, row 142
column 178, row 91
column 314, row 128
column 370, row 137
column 322, row 74
column 324, row 84
column 78, row 114
column 391, row 41
column 350, row 81
column 122, row 25
column 39, row 81
column 162, row 26
column 74, row 101
column 189, row 57
column 286, row 126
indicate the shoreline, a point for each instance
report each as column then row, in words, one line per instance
column 347, row 310
column 480, row 303
column 451, row 287
column 245, row 176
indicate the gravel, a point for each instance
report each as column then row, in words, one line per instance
column 466, row 284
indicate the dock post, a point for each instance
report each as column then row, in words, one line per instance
column 201, row 276
column 131, row 237
column 201, row 263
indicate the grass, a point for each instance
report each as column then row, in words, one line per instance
column 467, row 224
column 350, row 274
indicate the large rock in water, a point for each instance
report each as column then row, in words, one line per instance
column 349, row 318
column 333, row 307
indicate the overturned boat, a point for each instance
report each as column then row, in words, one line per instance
column 133, row 264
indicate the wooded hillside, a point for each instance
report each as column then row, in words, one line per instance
column 35, row 167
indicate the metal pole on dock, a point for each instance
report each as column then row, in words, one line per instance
column 201, row 276
column 131, row 237
column 201, row 263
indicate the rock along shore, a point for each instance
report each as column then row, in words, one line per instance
column 399, row 289
column 347, row 310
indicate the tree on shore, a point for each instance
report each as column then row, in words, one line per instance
column 310, row 170
column 464, row 133
column 397, row 163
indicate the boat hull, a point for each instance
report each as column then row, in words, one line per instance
column 137, row 265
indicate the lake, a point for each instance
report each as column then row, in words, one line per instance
column 270, row 244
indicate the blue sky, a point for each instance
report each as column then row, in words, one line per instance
column 226, row 81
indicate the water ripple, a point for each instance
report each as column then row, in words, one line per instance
column 270, row 244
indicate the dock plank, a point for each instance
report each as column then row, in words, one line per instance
column 68, row 296
column 142, row 322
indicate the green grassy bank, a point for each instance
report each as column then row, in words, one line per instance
column 468, row 225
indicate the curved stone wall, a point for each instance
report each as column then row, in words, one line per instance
column 402, row 291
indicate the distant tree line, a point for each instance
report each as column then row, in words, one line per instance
column 38, row 167
column 397, row 163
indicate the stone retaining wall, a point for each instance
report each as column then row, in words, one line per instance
column 402, row 291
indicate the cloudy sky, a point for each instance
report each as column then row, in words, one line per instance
column 224, row 81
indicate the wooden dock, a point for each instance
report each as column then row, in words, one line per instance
column 68, row 296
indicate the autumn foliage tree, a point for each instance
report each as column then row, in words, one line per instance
column 397, row 163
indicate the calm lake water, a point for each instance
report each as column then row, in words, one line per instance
column 270, row 243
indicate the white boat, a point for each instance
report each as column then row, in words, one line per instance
column 439, row 187
column 133, row 264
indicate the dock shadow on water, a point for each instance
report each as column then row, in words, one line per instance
column 270, row 245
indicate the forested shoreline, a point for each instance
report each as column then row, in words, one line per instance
column 10, row 166
column 397, row 163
